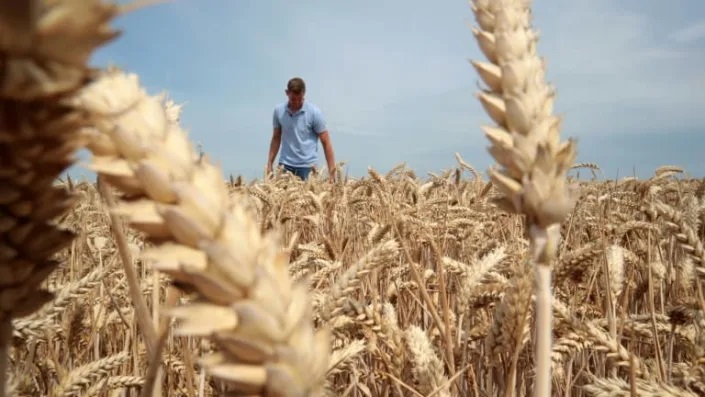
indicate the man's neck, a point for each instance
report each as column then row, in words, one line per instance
column 294, row 109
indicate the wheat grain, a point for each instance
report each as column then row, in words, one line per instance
column 104, row 325
column 408, row 280
column 206, row 242
column 44, row 61
column 526, row 144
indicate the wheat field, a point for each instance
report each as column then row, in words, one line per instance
column 166, row 278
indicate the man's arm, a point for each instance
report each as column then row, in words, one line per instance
column 274, row 148
column 275, row 142
column 328, row 150
column 319, row 126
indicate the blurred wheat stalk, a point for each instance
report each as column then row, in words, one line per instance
column 244, row 300
column 525, row 142
column 44, row 49
column 260, row 320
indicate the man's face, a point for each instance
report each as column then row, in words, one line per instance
column 296, row 100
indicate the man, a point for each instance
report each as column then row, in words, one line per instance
column 298, row 126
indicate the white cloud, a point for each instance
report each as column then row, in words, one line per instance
column 396, row 72
column 690, row 33
column 613, row 74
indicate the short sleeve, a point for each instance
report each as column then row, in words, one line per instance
column 319, row 123
column 275, row 119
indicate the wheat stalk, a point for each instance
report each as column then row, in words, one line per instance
column 525, row 142
column 244, row 300
column 44, row 61
column 408, row 326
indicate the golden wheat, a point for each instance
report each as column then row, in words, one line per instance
column 526, row 144
column 384, row 285
column 44, row 48
column 245, row 301
column 375, row 314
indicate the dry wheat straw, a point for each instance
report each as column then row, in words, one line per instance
column 615, row 387
column 526, row 143
column 585, row 344
column 44, row 48
column 245, row 302
column 639, row 331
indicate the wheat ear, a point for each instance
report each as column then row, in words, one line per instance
column 245, row 301
column 525, row 142
column 44, row 58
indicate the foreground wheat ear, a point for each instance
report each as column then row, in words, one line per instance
column 245, row 301
column 525, row 142
column 44, row 48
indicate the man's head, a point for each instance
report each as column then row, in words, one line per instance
column 295, row 91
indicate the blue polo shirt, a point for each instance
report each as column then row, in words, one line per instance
column 300, row 130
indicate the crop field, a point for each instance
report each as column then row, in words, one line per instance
column 410, row 277
column 166, row 277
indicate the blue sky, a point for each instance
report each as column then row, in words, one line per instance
column 393, row 79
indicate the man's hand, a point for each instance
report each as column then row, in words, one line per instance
column 273, row 149
column 332, row 172
column 330, row 157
